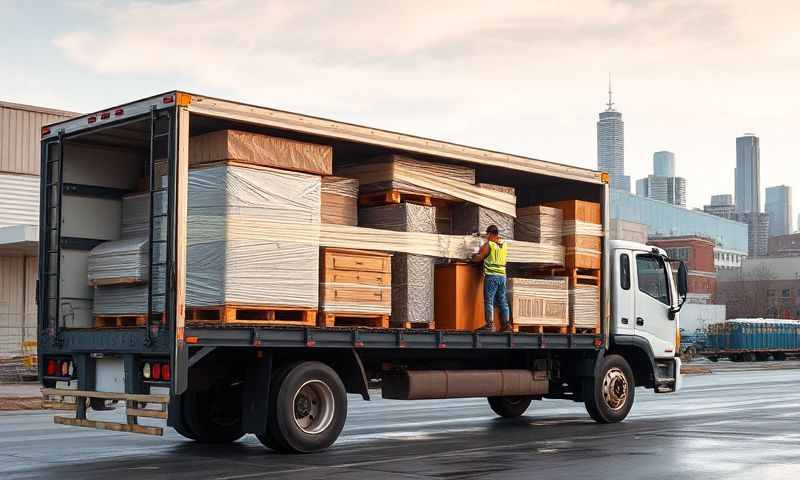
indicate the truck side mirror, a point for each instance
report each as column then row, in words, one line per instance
column 683, row 281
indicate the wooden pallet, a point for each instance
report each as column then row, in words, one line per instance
column 419, row 325
column 540, row 329
column 389, row 197
column 340, row 319
column 252, row 315
column 120, row 321
column 584, row 330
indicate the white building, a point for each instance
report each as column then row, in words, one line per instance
column 20, row 130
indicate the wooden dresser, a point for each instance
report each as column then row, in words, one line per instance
column 459, row 297
column 355, row 288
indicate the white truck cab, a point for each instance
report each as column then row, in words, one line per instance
column 645, row 305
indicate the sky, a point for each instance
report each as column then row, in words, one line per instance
column 524, row 77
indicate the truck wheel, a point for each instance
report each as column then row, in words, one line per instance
column 308, row 408
column 609, row 397
column 213, row 415
column 714, row 358
column 749, row 357
column 779, row 356
column 179, row 423
column 509, row 407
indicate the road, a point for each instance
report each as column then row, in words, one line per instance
column 741, row 422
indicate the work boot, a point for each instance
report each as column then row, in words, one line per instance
column 508, row 328
column 485, row 328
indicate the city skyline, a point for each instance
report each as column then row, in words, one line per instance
column 611, row 144
column 685, row 89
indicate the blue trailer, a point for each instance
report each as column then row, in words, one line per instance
column 751, row 339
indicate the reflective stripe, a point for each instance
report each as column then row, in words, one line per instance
column 495, row 262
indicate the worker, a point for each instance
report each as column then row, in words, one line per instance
column 493, row 255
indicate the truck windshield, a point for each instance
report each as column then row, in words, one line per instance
column 652, row 277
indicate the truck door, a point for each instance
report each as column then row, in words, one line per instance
column 653, row 295
column 623, row 294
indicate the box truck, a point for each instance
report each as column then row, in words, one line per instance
column 288, row 384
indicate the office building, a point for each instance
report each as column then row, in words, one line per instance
column 664, row 164
column 698, row 255
column 778, row 206
column 721, row 206
column 611, row 146
column 784, row 245
column 663, row 185
column 757, row 233
column 748, row 174
column 666, row 220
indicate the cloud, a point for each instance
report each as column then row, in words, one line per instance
column 518, row 76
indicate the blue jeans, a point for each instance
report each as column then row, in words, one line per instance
column 494, row 289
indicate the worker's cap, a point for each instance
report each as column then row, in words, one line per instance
column 492, row 230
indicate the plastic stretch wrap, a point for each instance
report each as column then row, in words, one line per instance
column 119, row 262
column 469, row 219
column 339, row 201
column 459, row 247
column 584, row 305
column 412, row 275
column 136, row 213
column 257, row 149
column 128, row 299
column 539, row 224
column 576, row 227
column 263, row 270
column 539, row 301
column 381, row 174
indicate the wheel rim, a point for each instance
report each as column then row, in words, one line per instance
column 313, row 407
column 615, row 389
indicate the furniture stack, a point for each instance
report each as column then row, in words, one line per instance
column 355, row 288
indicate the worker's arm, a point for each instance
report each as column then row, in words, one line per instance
column 482, row 253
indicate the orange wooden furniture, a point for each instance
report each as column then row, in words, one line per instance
column 458, row 293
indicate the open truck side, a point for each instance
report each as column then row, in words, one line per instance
column 288, row 385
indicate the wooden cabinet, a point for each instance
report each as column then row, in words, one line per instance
column 459, row 297
column 355, row 282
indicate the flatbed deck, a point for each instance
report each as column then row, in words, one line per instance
column 130, row 340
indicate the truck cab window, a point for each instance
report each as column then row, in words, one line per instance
column 652, row 277
column 625, row 271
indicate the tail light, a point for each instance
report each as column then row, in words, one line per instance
column 146, row 371
column 51, row 367
column 165, row 373
column 64, row 368
column 156, row 371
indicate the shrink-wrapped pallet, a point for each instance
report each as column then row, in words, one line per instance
column 223, row 269
column 119, row 262
column 584, row 306
column 128, row 299
column 339, row 201
column 386, row 173
column 468, row 218
column 262, row 150
column 539, row 301
column 412, row 275
column 539, row 224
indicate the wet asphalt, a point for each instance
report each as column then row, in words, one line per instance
column 740, row 422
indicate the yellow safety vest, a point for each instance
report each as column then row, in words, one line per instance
column 495, row 262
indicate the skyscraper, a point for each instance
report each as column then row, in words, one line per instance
column 664, row 164
column 721, row 206
column 663, row 185
column 779, row 208
column 611, row 145
column 748, row 173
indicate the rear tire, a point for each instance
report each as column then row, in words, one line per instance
column 609, row 396
column 714, row 358
column 509, row 407
column 779, row 356
column 307, row 411
column 213, row 415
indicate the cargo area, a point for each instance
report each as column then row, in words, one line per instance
column 290, row 229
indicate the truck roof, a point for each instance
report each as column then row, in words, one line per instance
column 242, row 112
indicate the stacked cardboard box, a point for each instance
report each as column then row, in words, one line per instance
column 412, row 275
column 539, row 224
column 582, row 233
column 339, row 200
column 539, row 301
column 584, row 306
column 468, row 218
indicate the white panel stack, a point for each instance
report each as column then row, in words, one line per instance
column 584, row 306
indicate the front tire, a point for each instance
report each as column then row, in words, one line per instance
column 308, row 408
column 509, row 407
column 609, row 396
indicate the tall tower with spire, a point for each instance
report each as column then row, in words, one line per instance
column 611, row 144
